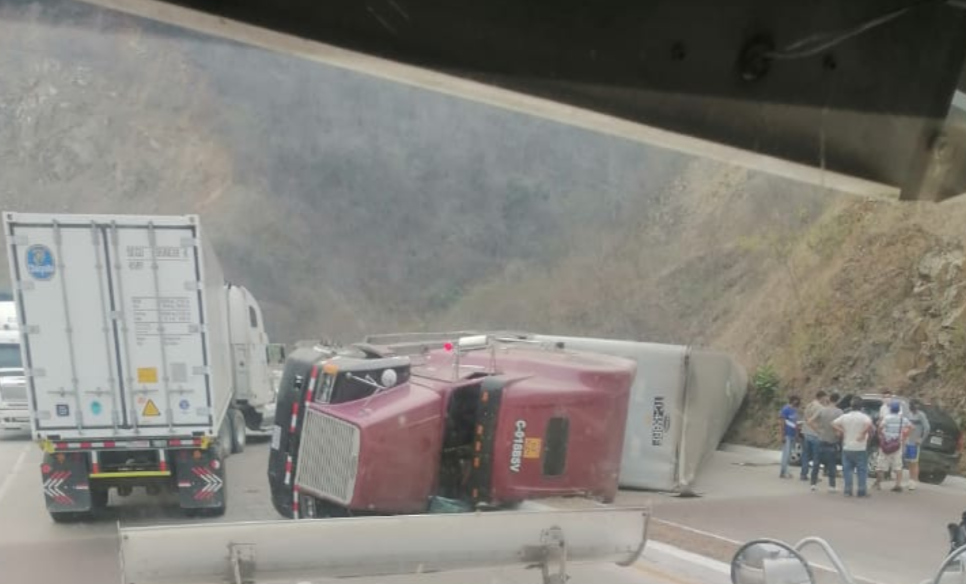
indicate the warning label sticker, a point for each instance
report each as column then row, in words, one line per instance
column 147, row 374
column 532, row 447
column 150, row 410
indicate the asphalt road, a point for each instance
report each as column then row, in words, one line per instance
column 891, row 538
column 35, row 550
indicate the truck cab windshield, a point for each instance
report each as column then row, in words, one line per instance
column 10, row 356
column 347, row 386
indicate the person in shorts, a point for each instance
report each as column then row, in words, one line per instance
column 892, row 429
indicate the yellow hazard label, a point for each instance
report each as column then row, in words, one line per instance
column 147, row 374
column 150, row 410
column 532, row 448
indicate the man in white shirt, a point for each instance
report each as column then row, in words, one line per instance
column 855, row 428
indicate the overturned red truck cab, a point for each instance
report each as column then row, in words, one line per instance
column 485, row 427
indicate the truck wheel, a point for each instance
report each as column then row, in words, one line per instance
column 225, row 437
column 239, row 434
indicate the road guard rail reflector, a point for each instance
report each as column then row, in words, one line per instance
column 291, row 551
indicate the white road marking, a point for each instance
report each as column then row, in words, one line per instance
column 686, row 556
column 698, row 531
column 699, row 559
column 8, row 480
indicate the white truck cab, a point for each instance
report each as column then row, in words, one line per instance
column 252, row 378
column 14, row 410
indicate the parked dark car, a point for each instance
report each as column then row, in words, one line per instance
column 941, row 449
column 940, row 452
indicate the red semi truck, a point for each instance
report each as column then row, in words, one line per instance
column 363, row 432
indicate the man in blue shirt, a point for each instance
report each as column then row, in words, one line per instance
column 789, row 420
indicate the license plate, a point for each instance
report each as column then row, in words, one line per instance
column 936, row 440
column 276, row 437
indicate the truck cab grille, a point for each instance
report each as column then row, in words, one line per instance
column 328, row 457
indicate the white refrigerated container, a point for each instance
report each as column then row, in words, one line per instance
column 125, row 325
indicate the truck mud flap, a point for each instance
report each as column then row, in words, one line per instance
column 201, row 480
column 66, row 482
column 380, row 546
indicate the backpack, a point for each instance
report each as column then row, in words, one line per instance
column 890, row 445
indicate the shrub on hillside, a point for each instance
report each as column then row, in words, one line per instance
column 766, row 381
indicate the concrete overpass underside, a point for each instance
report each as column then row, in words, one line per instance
column 863, row 88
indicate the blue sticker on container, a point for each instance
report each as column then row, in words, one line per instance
column 40, row 262
column 96, row 408
column 63, row 410
column 184, row 405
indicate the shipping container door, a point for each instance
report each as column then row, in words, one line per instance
column 157, row 279
column 61, row 272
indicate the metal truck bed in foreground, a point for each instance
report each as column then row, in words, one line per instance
column 292, row 551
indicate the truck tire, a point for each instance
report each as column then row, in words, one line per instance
column 239, row 436
column 225, row 436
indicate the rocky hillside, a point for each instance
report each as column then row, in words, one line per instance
column 349, row 205
column 877, row 301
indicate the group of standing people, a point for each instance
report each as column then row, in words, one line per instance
column 826, row 430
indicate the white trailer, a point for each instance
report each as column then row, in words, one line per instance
column 142, row 365
column 682, row 402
